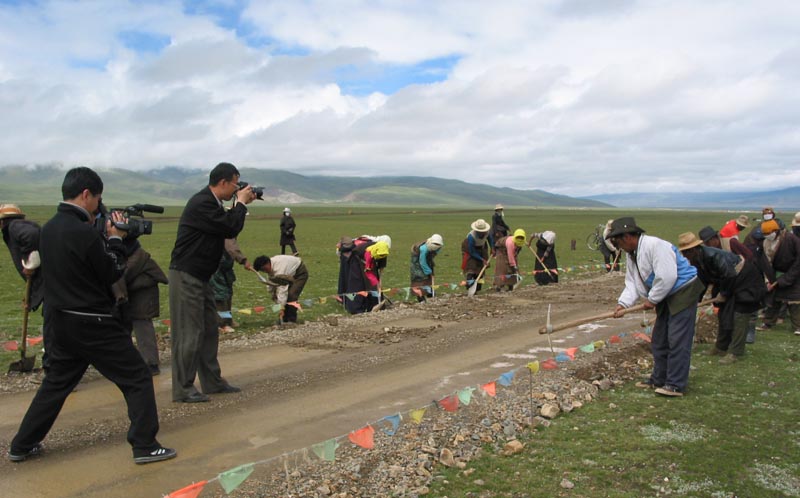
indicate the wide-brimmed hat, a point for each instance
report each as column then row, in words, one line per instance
column 480, row 225
column 743, row 221
column 10, row 211
column 498, row 207
column 623, row 225
column 796, row 220
column 707, row 233
column 687, row 240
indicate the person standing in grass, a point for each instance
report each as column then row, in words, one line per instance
column 287, row 232
column 738, row 286
column 656, row 272
column 782, row 249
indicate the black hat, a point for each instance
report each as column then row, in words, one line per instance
column 623, row 225
column 707, row 233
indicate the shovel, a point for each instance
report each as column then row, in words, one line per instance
column 25, row 363
column 549, row 273
column 381, row 301
column 474, row 287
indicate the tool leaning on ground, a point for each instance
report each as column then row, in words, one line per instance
column 25, row 363
column 474, row 287
column 547, row 329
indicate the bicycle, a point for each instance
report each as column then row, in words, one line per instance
column 595, row 239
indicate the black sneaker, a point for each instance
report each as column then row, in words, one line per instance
column 156, row 455
column 19, row 456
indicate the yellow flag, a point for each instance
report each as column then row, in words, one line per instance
column 246, row 312
column 533, row 366
column 323, row 300
column 416, row 415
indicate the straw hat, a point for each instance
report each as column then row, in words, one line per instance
column 743, row 221
column 687, row 240
column 480, row 225
column 498, row 207
column 10, row 211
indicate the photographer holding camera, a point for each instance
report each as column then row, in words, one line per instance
column 79, row 266
column 202, row 230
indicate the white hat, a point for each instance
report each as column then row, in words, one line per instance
column 435, row 241
column 384, row 238
column 287, row 210
column 796, row 220
column 549, row 236
column 480, row 225
column 498, row 207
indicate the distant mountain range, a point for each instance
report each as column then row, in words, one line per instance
column 783, row 200
column 173, row 186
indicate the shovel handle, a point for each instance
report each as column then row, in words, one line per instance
column 26, row 301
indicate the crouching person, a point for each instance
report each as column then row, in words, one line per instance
column 287, row 277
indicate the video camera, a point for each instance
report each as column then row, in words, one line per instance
column 258, row 191
column 134, row 223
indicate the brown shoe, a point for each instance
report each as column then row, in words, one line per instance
column 728, row 359
column 670, row 391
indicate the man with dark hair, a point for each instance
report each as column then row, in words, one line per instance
column 656, row 272
column 288, row 277
column 202, row 230
column 79, row 267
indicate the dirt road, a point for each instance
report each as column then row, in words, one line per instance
column 302, row 386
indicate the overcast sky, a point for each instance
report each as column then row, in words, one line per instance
column 577, row 97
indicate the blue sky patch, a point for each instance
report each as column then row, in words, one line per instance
column 141, row 41
column 389, row 78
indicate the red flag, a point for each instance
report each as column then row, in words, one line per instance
column 614, row 339
column 10, row 345
column 490, row 388
column 32, row 341
column 449, row 403
column 641, row 336
column 549, row 364
column 363, row 437
column 259, row 309
column 166, row 322
column 571, row 353
column 190, row 491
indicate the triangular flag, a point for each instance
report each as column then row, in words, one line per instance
column 224, row 314
column 259, row 309
column 32, row 341
column 246, row 311
column 308, row 302
column 363, row 293
column 232, row 479
column 166, row 322
column 407, row 291
column 562, row 357
column 599, row 344
column 589, row 348
column 549, row 364
column 453, row 286
column 326, row 451
column 363, row 437
column 571, row 352
column 395, row 421
column 643, row 337
column 465, row 395
column 350, row 296
column 416, row 415
column 449, row 403
column 323, row 300
column 374, row 294
column 190, row 491
column 417, row 291
column 533, row 366
column 506, row 378
column 296, row 305
column 276, row 307
column 490, row 388
column 614, row 339
column 10, row 345
column 648, row 330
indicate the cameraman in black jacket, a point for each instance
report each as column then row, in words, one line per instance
column 79, row 267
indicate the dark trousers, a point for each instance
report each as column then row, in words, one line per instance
column 80, row 341
column 146, row 340
column 290, row 244
column 672, row 346
column 194, row 336
column 295, row 289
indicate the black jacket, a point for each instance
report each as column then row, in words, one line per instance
column 22, row 237
column 78, row 264
column 287, row 230
column 202, row 231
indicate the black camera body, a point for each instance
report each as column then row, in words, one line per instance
column 258, row 191
column 134, row 222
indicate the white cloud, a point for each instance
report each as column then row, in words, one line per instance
column 573, row 96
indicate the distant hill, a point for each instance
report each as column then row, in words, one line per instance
column 172, row 186
column 783, row 200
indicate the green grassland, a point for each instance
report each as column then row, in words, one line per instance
column 319, row 228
